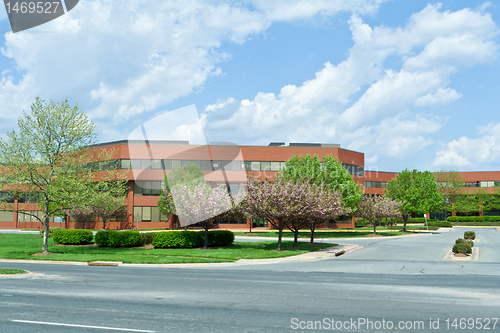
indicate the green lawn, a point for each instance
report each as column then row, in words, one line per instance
column 11, row 271
column 352, row 233
column 23, row 246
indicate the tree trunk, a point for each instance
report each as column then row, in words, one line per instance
column 295, row 236
column 374, row 227
column 280, row 233
column 405, row 219
column 206, row 237
column 251, row 221
column 312, row 227
column 103, row 224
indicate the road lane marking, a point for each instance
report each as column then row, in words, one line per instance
column 83, row 326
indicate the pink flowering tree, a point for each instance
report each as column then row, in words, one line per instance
column 80, row 214
column 316, row 204
column 375, row 208
column 292, row 204
column 328, row 206
column 200, row 204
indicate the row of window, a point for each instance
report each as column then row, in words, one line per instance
column 475, row 184
column 206, row 165
column 153, row 187
column 369, row 183
column 149, row 214
column 490, row 183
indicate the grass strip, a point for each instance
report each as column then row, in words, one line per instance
column 13, row 246
column 8, row 271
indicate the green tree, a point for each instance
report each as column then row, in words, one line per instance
column 451, row 186
column 108, row 200
column 49, row 157
column 330, row 173
column 418, row 191
column 492, row 201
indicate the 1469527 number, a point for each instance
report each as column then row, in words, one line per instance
column 471, row 323
column 40, row 7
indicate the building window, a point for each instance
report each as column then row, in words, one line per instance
column 149, row 214
column 369, row 183
column 142, row 187
column 6, row 197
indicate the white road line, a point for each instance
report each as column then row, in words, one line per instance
column 83, row 326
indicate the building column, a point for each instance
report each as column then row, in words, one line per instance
column 130, row 203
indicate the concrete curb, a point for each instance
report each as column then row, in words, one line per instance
column 328, row 253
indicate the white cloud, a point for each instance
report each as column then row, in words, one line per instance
column 327, row 108
column 471, row 153
column 120, row 59
column 440, row 97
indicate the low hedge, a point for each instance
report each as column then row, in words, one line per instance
column 218, row 238
column 72, row 236
column 441, row 224
column 473, row 218
column 470, row 235
column 191, row 239
column 178, row 239
column 420, row 219
column 114, row 238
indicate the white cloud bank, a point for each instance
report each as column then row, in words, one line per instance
column 469, row 154
column 359, row 102
column 123, row 58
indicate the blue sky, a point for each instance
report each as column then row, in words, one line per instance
column 412, row 84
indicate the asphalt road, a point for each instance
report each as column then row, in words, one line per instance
column 399, row 281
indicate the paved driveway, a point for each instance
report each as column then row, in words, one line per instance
column 422, row 254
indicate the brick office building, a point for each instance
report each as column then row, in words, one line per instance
column 148, row 162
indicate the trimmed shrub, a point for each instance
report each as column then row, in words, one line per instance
column 473, row 218
column 147, row 238
column 463, row 246
column 470, row 235
column 441, row 224
column 178, row 239
column 72, row 236
column 467, row 241
column 114, row 238
column 51, row 230
column 218, row 238
column 420, row 219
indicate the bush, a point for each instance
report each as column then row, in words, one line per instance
column 114, row 238
column 51, row 230
column 218, row 238
column 441, row 224
column 470, row 235
column 467, row 241
column 462, row 246
column 72, row 236
column 473, row 218
column 178, row 239
column 421, row 219
column 147, row 238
